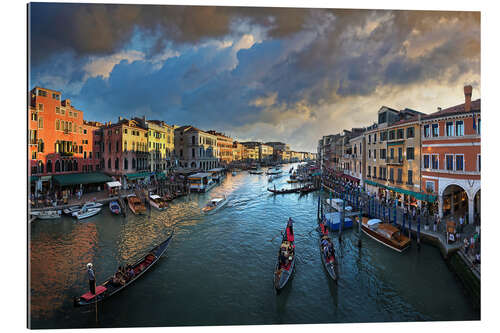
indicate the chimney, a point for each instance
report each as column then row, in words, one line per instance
column 468, row 95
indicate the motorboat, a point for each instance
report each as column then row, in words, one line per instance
column 157, row 202
column 74, row 209
column 214, row 204
column 385, row 233
column 135, row 204
column 86, row 211
column 274, row 171
column 115, row 208
column 47, row 214
column 256, row 172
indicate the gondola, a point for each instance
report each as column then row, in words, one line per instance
column 108, row 289
column 330, row 262
column 284, row 191
column 284, row 270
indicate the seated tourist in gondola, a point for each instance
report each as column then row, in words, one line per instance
column 118, row 279
column 130, row 273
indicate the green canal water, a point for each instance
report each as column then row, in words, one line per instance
column 218, row 269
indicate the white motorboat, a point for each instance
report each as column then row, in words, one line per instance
column 87, row 210
column 74, row 209
column 47, row 214
column 274, row 171
column 157, row 202
column 214, row 204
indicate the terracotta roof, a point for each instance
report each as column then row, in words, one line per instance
column 457, row 109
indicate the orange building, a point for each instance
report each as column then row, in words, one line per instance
column 224, row 147
column 451, row 157
column 60, row 141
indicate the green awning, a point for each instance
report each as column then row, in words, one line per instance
column 34, row 178
column 81, row 178
column 132, row 176
column 160, row 175
column 416, row 195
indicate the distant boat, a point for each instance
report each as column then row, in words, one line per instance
column 115, row 208
column 47, row 214
column 157, row 202
column 74, row 209
column 87, row 210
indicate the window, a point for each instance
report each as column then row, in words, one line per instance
column 449, row 128
column 479, row 162
column 369, row 153
column 435, row 130
column 410, row 177
column 84, row 154
column 58, row 124
column 391, row 174
column 125, row 163
column 383, row 136
column 392, row 135
column 125, row 131
column 435, row 161
column 410, row 153
column 125, row 145
column 42, row 93
column 459, row 124
column 57, row 166
column 370, row 138
column 374, row 172
column 429, row 186
column 117, row 163
column 449, row 162
column 80, row 149
column 374, row 154
column 117, row 146
column 193, row 141
column 109, row 163
column 40, row 122
column 369, row 171
column 459, row 162
column 133, row 163
column 40, row 146
column 400, row 175
column 426, row 161
column 479, row 126
column 84, row 131
column 382, row 153
column 375, row 138
column 401, row 133
column 40, row 107
column 49, row 166
column 410, row 132
column 427, row 132
column 193, row 152
column 392, row 153
column 56, row 96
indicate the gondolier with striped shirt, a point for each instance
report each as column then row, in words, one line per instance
column 91, row 274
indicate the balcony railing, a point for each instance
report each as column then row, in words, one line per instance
column 395, row 160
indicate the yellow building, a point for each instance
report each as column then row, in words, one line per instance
column 160, row 145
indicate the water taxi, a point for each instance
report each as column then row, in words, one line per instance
column 385, row 233
column 135, row 204
column 214, row 205
column 47, row 214
column 201, row 182
column 157, row 202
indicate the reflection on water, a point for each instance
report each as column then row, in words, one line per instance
column 218, row 269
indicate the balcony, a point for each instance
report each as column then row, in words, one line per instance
column 66, row 154
column 395, row 160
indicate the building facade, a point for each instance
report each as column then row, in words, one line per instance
column 451, row 157
column 195, row 148
column 224, row 147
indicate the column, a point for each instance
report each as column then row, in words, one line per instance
column 440, row 205
column 471, row 210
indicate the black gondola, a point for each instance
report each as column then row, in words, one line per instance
column 108, row 288
column 284, row 269
column 330, row 262
column 284, row 191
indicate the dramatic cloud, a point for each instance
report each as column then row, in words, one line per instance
column 257, row 73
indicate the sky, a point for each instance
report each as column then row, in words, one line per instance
column 263, row 74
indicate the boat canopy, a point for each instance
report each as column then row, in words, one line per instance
column 373, row 222
column 199, row 175
column 216, row 170
column 113, row 184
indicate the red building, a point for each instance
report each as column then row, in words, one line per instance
column 60, row 141
column 451, row 157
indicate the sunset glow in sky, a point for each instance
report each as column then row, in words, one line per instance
column 267, row 74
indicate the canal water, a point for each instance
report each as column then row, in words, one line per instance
column 218, row 269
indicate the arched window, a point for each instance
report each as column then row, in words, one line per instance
column 117, row 163
column 193, row 164
column 125, row 163
column 58, row 166
column 69, row 166
column 75, row 165
column 49, row 166
column 40, row 167
column 133, row 163
column 40, row 146
column 109, row 163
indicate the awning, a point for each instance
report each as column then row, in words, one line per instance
column 34, row 178
column 349, row 177
column 113, row 184
column 160, row 175
column 199, row 175
column 416, row 195
column 81, row 178
column 396, row 143
column 132, row 176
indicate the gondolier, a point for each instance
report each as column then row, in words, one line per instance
column 91, row 274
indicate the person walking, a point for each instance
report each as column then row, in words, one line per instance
column 91, row 275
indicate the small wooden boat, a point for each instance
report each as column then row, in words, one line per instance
column 47, row 214
column 115, row 208
column 135, row 204
column 108, row 288
column 291, row 181
column 385, row 233
column 283, row 191
column 286, row 259
column 157, row 202
column 328, row 256
column 214, row 205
